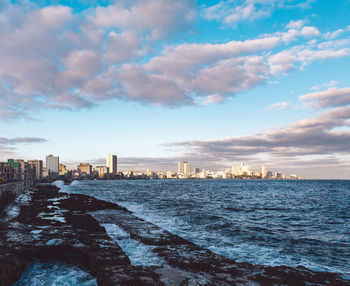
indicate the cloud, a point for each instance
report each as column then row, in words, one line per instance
column 288, row 59
column 151, row 88
column 122, row 47
column 310, row 32
column 53, row 57
column 8, row 145
column 332, row 97
column 231, row 12
column 329, row 84
column 278, row 106
column 334, row 34
column 302, row 141
column 20, row 140
column 213, row 98
column 156, row 18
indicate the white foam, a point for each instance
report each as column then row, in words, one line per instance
column 55, row 274
column 139, row 253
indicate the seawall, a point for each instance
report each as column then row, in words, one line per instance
column 9, row 192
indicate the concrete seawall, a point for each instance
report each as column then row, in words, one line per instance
column 9, row 192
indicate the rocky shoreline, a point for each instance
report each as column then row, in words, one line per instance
column 46, row 224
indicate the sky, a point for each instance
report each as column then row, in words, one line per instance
column 215, row 83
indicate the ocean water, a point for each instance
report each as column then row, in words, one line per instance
column 55, row 273
column 262, row 222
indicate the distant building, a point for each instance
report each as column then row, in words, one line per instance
column 264, row 172
column 257, row 174
column 46, row 172
column 52, row 164
column 7, row 173
column 241, row 170
column 102, row 171
column 85, row 169
column 37, row 166
column 184, row 168
column 111, row 163
column 169, row 175
column 17, row 170
column 62, row 170
column 197, row 170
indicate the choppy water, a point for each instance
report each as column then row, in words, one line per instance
column 55, row 274
column 262, row 222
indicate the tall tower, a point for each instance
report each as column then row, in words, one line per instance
column 111, row 163
column 184, row 168
column 52, row 163
column 264, row 172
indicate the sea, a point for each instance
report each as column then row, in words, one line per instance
column 266, row 222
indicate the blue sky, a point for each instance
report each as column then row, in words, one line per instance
column 212, row 82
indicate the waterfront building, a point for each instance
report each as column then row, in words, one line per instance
column 17, row 171
column 169, row 175
column 269, row 175
column 184, row 168
column 37, row 167
column 52, row 164
column 62, row 170
column 111, row 162
column 102, row 171
column 257, row 174
column 242, row 170
column 84, row 169
column 203, row 175
column 236, row 170
column 7, row 173
column 23, row 168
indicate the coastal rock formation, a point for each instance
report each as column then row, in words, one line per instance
column 46, row 224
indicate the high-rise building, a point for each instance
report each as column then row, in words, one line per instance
column 111, row 163
column 184, row 168
column 38, row 166
column 52, row 163
column 264, row 172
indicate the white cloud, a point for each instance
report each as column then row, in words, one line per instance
column 334, row 34
column 331, row 97
column 51, row 57
column 309, row 32
column 158, row 18
column 278, row 106
column 122, row 47
column 231, row 12
column 213, row 98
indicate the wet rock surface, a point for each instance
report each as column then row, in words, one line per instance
column 48, row 225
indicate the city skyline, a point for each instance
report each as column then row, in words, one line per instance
column 18, row 170
column 157, row 82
